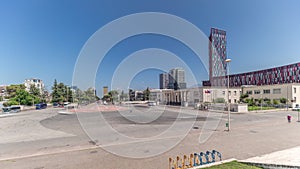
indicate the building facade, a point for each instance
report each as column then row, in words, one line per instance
column 177, row 79
column 278, row 75
column 217, row 68
column 38, row 83
column 289, row 91
column 163, row 80
column 135, row 95
column 217, row 53
column 105, row 90
column 192, row 96
column 3, row 91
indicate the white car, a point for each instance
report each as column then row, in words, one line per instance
column 151, row 104
column 296, row 108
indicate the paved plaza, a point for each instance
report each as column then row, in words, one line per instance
column 288, row 157
column 46, row 139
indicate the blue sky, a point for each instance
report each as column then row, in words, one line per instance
column 43, row 39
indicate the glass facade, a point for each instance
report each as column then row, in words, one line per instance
column 217, row 53
column 278, row 75
column 217, row 68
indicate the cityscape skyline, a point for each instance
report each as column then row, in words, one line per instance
column 174, row 79
column 45, row 45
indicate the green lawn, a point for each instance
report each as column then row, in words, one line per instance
column 233, row 165
column 253, row 108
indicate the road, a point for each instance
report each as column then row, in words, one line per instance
column 45, row 139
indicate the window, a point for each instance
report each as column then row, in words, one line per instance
column 276, row 91
column 295, row 90
column 229, row 101
column 235, row 93
column 223, row 92
column 229, row 92
column 256, row 91
column 249, row 92
column 234, row 100
column 295, row 99
column 267, row 91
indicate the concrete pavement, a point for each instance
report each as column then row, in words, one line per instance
column 252, row 134
column 288, row 158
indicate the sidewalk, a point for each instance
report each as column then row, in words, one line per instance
column 289, row 158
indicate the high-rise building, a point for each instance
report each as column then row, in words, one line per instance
column 163, row 80
column 217, row 55
column 177, row 79
column 105, row 90
column 217, row 68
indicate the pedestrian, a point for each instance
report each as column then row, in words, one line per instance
column 289, row 118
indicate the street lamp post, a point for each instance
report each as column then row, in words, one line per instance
column 228, row 107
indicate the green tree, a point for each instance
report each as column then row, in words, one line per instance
column 106, row 98
column 34, row 91
column 283, row 100
column 78, row 95
column 55, row 95
column 24, row 98
column 86, row 97
column 267, row 101
column 243, row 97
column 61, row 93
column 69, row 94
column 250, row 102
column 275, row 101
column 12, row 89
column 123, row 96
column 260, row 101
column 44, row 96
column 113, row 95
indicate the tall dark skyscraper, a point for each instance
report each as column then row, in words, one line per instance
column 217, row 54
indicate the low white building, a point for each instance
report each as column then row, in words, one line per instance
column 192, row 96
column 220, row 94
column 290, row 91
column 38, row 83
column 158, row 95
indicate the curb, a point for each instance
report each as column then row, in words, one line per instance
column 7, row 115
column 65, row 112
column 215, row 163
column 269, row 166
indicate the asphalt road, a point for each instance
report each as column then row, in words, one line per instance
column 46, row 139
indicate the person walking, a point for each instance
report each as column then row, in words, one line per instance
column 289, row 118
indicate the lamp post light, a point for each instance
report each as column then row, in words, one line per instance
column 228, row 107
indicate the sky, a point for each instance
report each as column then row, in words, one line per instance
column 43, row 39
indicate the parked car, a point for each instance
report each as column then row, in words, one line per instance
column 296, row 108
column 40, row 106
column 55, row 105
column 151, row 103
column 11, row 109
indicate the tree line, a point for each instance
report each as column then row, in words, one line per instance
column 18, row 95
